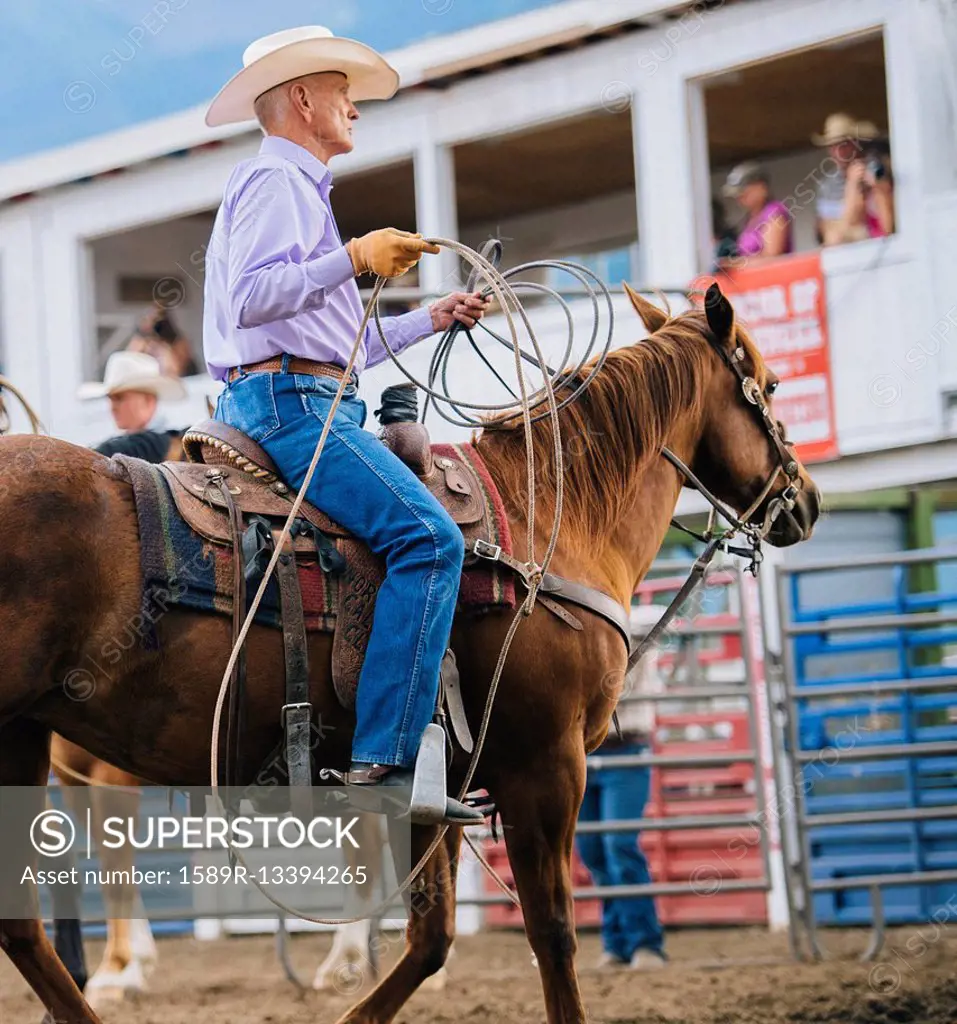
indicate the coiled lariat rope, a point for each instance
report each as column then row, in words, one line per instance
column 532, row 573
column 35, row 425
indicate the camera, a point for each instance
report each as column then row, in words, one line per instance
column 875, row 168
column 164, row 329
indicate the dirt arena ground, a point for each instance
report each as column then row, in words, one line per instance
column 239, row 981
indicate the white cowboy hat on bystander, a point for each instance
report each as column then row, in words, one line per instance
column 293, row 53
column 842, row 127
column 133, row 371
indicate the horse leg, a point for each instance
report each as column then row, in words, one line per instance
column 429, row 934
column 351, row 962
column 67, row 915
column 539, row 834
column 119, row 971
column 348, row 962
column 24, row 761
column 141, row 936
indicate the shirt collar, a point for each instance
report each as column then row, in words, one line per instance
column 276, row 145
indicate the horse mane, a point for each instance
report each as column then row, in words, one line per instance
column 611, row 432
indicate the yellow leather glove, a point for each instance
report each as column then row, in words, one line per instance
column 387, row 252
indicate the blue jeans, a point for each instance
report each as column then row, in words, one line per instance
column 615, row 858
column 368, row 490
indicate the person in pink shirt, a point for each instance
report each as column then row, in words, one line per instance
column 766, row 233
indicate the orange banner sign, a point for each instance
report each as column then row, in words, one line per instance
column 783, row 306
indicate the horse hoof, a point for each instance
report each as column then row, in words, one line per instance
column 114, row 986
column 435, row 982
column 346, row 979
column 107, row 995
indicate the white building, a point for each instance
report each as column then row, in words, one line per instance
column 580, row 128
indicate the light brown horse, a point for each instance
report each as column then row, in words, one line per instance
column 69, row 581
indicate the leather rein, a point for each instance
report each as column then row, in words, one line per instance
column 606, row 607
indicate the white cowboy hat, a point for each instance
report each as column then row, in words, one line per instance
column 133, row 371
column 295, row 52
column 841, row 127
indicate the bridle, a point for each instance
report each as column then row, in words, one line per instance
column 786, row 462
column 755, row 532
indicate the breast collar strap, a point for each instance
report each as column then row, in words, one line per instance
column 586, row 597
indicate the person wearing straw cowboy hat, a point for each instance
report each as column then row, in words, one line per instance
column 282, row 311
column 135, row 384
column 855, row 199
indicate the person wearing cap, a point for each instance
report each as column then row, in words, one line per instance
column 855, row 200
column 282, row 312
column 135, row 384
column 766, row 233
column 631, row 933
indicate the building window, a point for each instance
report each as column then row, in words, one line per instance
column 799, row 152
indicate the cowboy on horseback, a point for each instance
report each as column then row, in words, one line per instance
column 282, row 311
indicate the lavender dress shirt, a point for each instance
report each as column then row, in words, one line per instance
column 278, row 278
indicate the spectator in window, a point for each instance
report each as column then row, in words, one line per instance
column 135, row 384
column 159, row 337
column 631, row 934
column 856, row 201
column 766, row 233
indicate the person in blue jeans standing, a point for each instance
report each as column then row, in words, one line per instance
column 281, row 316
column 631, row 934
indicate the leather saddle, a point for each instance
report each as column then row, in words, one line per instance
column 214, row 448
column 222, row 457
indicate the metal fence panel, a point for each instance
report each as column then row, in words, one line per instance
column 870, row 692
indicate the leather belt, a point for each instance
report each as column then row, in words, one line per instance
column 293, row 365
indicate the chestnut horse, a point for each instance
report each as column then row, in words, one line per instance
column 70, row 580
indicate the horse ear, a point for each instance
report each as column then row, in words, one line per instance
column 210, row 408
column 720, row 314
column 651, row 316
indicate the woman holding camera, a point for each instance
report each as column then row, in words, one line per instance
column 857, row 202
column 868, row 202
column 159, row 337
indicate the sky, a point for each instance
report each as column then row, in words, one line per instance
column 72, row 69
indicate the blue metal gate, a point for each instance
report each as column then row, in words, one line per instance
column 871, row 691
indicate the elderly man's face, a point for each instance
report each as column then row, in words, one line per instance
column 132, row 410
column 333, row 112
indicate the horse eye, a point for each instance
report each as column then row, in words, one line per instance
column 771, row 387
